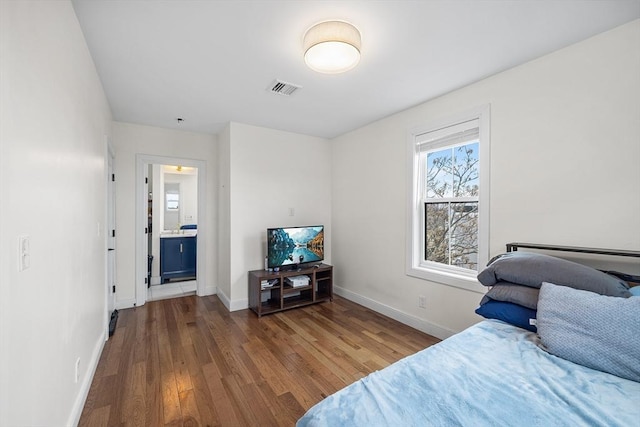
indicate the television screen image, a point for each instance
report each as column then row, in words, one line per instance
column 295, row 245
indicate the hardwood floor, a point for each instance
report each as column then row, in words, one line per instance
column 189, row 362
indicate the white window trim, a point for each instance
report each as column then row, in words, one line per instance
column 415, row 264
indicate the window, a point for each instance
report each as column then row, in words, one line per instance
column 448, row 224
column 173, row 201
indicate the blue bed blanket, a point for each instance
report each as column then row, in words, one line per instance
column 492, row 374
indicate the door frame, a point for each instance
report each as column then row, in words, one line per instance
column 142, row 164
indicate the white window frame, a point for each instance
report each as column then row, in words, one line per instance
column 416, row 265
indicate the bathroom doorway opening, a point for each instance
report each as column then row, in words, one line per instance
column 170, row 230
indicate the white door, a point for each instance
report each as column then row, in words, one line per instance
column 111, row 240
column 147, row 225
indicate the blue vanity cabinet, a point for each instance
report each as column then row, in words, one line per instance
column 177, row 257
column 170, row 257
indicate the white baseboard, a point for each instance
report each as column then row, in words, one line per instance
column 224, row 298
column 402, row 317
column 239, row 304
column 210, row 290
column 85, row 385
column 234, row 305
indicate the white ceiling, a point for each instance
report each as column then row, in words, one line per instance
column 210, row 62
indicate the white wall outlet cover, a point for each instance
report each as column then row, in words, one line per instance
column 24, row 252
column 77, row 370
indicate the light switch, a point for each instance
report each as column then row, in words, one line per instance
column 24, row 253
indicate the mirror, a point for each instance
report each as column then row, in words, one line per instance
column 172, row 205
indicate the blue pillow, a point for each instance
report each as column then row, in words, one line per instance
column 514, row 314
column 597, row 331
column 635, row 291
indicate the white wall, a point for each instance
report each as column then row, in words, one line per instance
column 565, row 134
column 129, row 140
column 271, row 171
column 54, row 117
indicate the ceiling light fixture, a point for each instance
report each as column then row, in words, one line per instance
column 332, row 47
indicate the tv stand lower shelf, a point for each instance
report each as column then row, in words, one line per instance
column 279, row 294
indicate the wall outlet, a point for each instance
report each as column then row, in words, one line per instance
column 24, row 253
column 292, row 211
column 77, row 375
column 422, row 301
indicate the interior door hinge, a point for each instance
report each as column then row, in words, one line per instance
column 146, row 230
column 145, row 280
column 146, row 180
column 114, row 289
column 113, row 177
column 113, row 233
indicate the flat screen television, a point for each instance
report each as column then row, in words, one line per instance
column 288, row 247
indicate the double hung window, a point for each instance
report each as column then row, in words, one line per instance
column 448, row 222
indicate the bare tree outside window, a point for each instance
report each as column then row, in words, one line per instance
column 451, row 206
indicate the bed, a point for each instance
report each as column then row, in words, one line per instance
column 577, row 365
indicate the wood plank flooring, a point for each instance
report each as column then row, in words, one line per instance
column 189, row 362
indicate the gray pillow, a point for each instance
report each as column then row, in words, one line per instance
column 525, row 296
column 531, row 269
column 592, row 330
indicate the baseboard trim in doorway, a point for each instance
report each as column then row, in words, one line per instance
column 127, row 303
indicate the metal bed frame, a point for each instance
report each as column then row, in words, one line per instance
column 513, row 247
column 633, row 280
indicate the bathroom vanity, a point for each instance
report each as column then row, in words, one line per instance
column 177, row 255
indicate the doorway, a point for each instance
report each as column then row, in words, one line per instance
column 170, row 227
column 172, row 230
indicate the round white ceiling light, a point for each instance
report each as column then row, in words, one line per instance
column 332, row 47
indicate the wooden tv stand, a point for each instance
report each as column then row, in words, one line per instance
column 282, row 296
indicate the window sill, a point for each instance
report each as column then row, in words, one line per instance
column 456, row 280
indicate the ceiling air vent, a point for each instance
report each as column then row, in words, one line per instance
column 283, row 88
